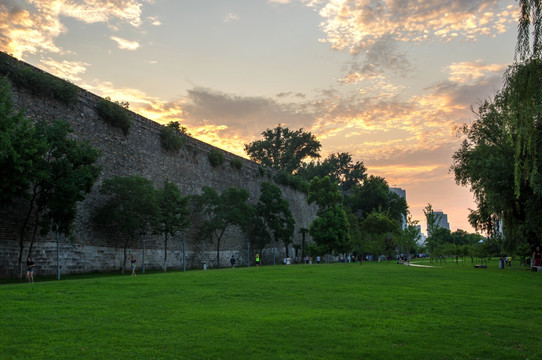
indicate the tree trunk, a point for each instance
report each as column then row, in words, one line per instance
column 123, row 269
column 23, row 230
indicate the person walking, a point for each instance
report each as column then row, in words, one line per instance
column 537, row 256
column 29, row 269
column 257, row 260
column 133, row 263
column 232, row 261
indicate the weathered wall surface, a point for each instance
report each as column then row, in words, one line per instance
column 139, row 153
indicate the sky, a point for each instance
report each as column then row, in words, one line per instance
column 388, row 81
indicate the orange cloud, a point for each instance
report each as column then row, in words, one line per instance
column 92, row 11
column 464, row 72
column 33, row 27
column 22, row 31
column 358, row 25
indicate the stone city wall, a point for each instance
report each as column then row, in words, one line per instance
column 138, row 153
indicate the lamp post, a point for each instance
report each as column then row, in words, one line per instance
column 184, row 252
column 248, row 253
column 57, row 256
column 203, row 254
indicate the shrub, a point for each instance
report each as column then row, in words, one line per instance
column 216, row 157
column 171, row 137
column 262, row 171
column 295, row 182
column 114, row 114
column 236, row 163
column 37, row 81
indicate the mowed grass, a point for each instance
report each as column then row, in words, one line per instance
column 338, row 311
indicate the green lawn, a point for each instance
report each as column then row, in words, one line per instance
column 339, row 311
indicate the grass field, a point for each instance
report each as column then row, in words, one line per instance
column 339, row 311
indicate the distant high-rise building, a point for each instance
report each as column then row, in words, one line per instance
column 421, row 240
column 442, row 221
column 401, row 193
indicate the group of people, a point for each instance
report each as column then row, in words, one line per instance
column 536, row 260
column 233, row 261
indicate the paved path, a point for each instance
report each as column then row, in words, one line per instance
column 418, row 265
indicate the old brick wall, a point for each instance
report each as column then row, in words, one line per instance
column 139, row 153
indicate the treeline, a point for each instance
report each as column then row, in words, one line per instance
column 357, row 213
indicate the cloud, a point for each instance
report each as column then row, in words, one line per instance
column 357, row 25
column 32, row 26
column 23, row 31
column 69, row 70
column 93, row 11
column 464, row 72
column 231, row 17
column 125, row 44
column 375, row 31
column 154, row 20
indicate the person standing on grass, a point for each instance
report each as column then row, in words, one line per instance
column 537, row 256
column 257, row 260
column 133, row 263
column 232, row 261
column 29, row 269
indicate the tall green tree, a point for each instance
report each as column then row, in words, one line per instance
column 381, row 232
column 275, row 214
column 283, row 149
column 61, row 176
column 173, row 215
column 20, row 149
column 374, row 195
column 130, row 208
column 522, row 92
column 339, row 167
column 330, row 229
column 432, row 219
column 221, row 211
column 485, row 162
column 530, row 21
column 407, row 242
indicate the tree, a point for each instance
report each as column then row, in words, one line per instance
column 410, row 235
column 61, row 175
column 531, row 16
column 485, row 162
column 275, row 214
column 20, row 149
column 340, row 169
column 433, row 219
column 330, row 229
column 522, row 91
column 283, row 149
column 220, row 211
column 374, row 195
column 130, row 208
column 174, row 213
column 381, row 231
